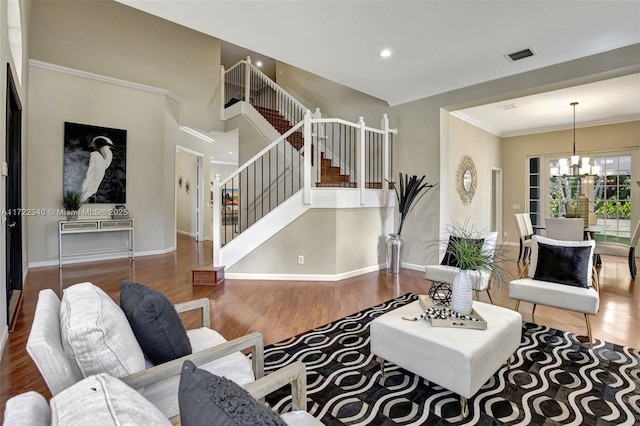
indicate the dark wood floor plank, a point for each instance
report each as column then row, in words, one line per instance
column 281, row 309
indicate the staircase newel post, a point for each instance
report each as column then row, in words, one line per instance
column 319, row 127
column 385, row 159
column 217, row 204
column 247, row 80
column 307, row 158
column 222, row 92
column 361, row 155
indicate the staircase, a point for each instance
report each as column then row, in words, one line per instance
column 275, row 186
column 330, row 175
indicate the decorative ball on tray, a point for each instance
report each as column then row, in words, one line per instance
column 440, row 294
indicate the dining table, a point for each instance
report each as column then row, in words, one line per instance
column 589, row 230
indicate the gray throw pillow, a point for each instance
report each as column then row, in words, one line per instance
column 155, row 322
column 102, row 400
column 206, row 399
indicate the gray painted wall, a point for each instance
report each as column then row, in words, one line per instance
column 332, row 241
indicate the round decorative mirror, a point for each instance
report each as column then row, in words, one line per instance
column 467, row 180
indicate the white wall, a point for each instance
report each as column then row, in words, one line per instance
column 485, row 150
column 335, row 243
column 109, row 38
column 179, row 65
column 56, row 97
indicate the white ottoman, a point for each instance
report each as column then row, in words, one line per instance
column 461, row 360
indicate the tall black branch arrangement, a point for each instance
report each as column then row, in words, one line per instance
column 410, row 191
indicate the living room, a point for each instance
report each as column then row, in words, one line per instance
column 144, row 53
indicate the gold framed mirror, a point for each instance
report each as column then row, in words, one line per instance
column 467, row 180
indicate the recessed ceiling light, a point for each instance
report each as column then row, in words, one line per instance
column 385, row 53
column 230, row 152
column 259, row 64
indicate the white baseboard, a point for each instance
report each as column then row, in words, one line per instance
column 303, row 277
column 188, row 234
column 413, row 266
column 100, row 258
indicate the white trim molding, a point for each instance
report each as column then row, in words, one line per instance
column 303, row 277
column 106, row 79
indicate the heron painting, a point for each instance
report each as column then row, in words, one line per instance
column 95, row 163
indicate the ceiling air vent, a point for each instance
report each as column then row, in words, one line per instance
column 516, row 56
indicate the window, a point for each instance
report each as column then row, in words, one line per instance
column 608, row 190
column 535, row 181
column 612, row 197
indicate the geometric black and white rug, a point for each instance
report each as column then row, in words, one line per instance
column 552, row 380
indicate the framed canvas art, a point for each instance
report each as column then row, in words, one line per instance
column 95, row 163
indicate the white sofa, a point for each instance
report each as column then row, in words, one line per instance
column 109, row 346
column 102, row 400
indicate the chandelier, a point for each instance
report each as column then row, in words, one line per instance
column 574, row 165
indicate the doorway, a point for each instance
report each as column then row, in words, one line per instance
column 190, row 192
column 13, row 197
column 496, row 200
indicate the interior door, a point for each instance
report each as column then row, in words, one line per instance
column 13, row 190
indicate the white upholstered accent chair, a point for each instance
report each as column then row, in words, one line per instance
column 565, row 229
column 62, row 366
column 623, row 250
column 524, row 234
column 481, row 279
column 560, row 275
column 112, row 402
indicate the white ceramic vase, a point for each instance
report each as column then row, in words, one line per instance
column 462, row 293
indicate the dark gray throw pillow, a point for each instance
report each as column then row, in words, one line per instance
column 450, row 258
column 563, row 265
column 205, row 399
column 155, row 322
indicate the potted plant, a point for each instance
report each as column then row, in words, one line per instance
column 71, row 203
column 466, row 249
column 409, row 190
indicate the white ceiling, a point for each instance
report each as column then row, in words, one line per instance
column 437, row 45
column 603, row 102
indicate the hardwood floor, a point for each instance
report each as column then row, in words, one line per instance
column 281, row 309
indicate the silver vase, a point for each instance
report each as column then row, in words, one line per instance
column 394, row 253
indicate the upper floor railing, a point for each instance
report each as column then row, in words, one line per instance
column 245, row 82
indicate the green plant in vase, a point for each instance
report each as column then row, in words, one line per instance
column 71, row 203
column 467, row 249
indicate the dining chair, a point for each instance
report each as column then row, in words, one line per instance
column 528, row 225
column 623, row 250
column 525, row 239
column 564, row 229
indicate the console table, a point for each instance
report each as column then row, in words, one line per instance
column 97, row 226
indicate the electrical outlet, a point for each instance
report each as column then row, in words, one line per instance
column 300, row 260
column 126, row 244
column 505, row 234
column 515, row 206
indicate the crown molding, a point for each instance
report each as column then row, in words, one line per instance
column 524, row 132
column 103, row 78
